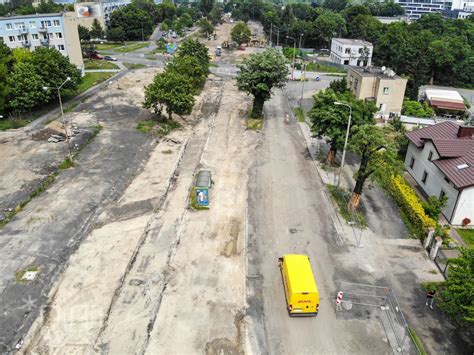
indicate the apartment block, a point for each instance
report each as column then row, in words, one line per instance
column 379, row 85
column 355, row 52
column 414, row 9
column 44, row 30
column 86, row 12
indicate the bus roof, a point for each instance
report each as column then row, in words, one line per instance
column 300, row 275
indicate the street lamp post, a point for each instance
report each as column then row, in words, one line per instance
column 345, row 141
column 294, row 56
column 302, row 85
column 46, row 88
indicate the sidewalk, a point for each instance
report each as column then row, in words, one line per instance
column 385, row 251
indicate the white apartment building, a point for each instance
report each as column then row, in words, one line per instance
column 440, row 158
column 49, row 30
column 354, row 52
column 414, row 9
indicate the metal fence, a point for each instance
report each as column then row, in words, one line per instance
column 383, row 301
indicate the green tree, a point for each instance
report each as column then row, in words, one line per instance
column 134, row 23
column 84, row 33
column 339, row 86
column 96, row 30
column 54, row 68
column 330, row 121
column 377, row 152
column 335, row 5
column 457, row 292
column 205, row 27
column 240, row 33
column 205, row 6
column 416, row 109
column 215, row 15
column 116, row 34
column 259, row 74
column 166, row 10
column 25, row 88
column 194, row 48
column 192, row 68
column 328, row 25
column 21, row 55
column 171, row 90
column 6, row 66
column 186, row 20
column 365, row 27
column 434, row 206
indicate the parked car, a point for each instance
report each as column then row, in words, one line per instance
column 95, row 56
column 109, row 58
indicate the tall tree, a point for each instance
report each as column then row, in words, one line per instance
column 96, row 30
column 171, row 90
column 205, row 6
column 215, row 15
column 329, row 25
column 377, row 152
column 330, row 121
column 194, row 48
column 190, row 67
column 25, row 88
column 335, row 5
column 205, row 27
column 240, row 33
column 134, row 21
column 259, row 74
column 457, row 292
column 84, row 33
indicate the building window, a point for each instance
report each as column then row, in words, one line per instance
column 11, row 39
column 356, row 83
column 56, row 23
column 346, row 62
column 59, row 35
column 425, row 177
column 360, row 50
column 9, row 26
column 442, row 194
column 19, row 25
column 45, row 23
column 34, row 36
column 385, row 91
column 348, row 51
column 61, row 47
column 430, row 156
column 447, row 180
column 412, row 163
column 32, row 24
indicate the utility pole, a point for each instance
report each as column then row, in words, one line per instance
column 271, row 38
column 302, row 86
column 299, row 46
column 278, row 37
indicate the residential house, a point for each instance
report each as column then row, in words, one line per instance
column 445, row 103
column 354, row 52
column 57, row 30
column 379, row 85
column 440, row 158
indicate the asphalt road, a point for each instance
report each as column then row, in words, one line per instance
column 289, row 213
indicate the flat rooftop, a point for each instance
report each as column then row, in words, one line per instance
column 355, row 42
column 56, row 14
column 387, row 73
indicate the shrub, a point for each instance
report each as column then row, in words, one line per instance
column 410, row 204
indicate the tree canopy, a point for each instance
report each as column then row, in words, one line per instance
column 259, row 74
column 240, row 33
column 130, row 23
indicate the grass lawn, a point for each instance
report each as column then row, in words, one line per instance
column 89, row 80
column 467, row 235
column 342, row 197
column 99, row 64
column 132, row 47
column 134, row 65
column 323, row 68
column 107, row 46
column 299, row 114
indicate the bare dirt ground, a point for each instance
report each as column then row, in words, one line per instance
column 141, row 278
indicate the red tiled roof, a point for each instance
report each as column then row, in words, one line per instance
column 449, row 105
column 453, row 151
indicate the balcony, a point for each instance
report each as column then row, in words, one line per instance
column 23, row 30
column 44, row 41
column 26, row 44
column 42, row 29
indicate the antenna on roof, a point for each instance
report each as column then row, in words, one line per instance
column 383, row 68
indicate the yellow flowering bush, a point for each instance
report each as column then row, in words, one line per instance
column 410, row 204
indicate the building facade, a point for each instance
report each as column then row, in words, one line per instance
column 86, row 12
column 440, row 158
column 354, row 52
column 380, row 85
column 48, row 30
column 414, row 9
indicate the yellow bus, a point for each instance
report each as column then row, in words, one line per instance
column 301, row 292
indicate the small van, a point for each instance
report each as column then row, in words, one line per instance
column 301, row 292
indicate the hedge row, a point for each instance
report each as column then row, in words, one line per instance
column 410, row 204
